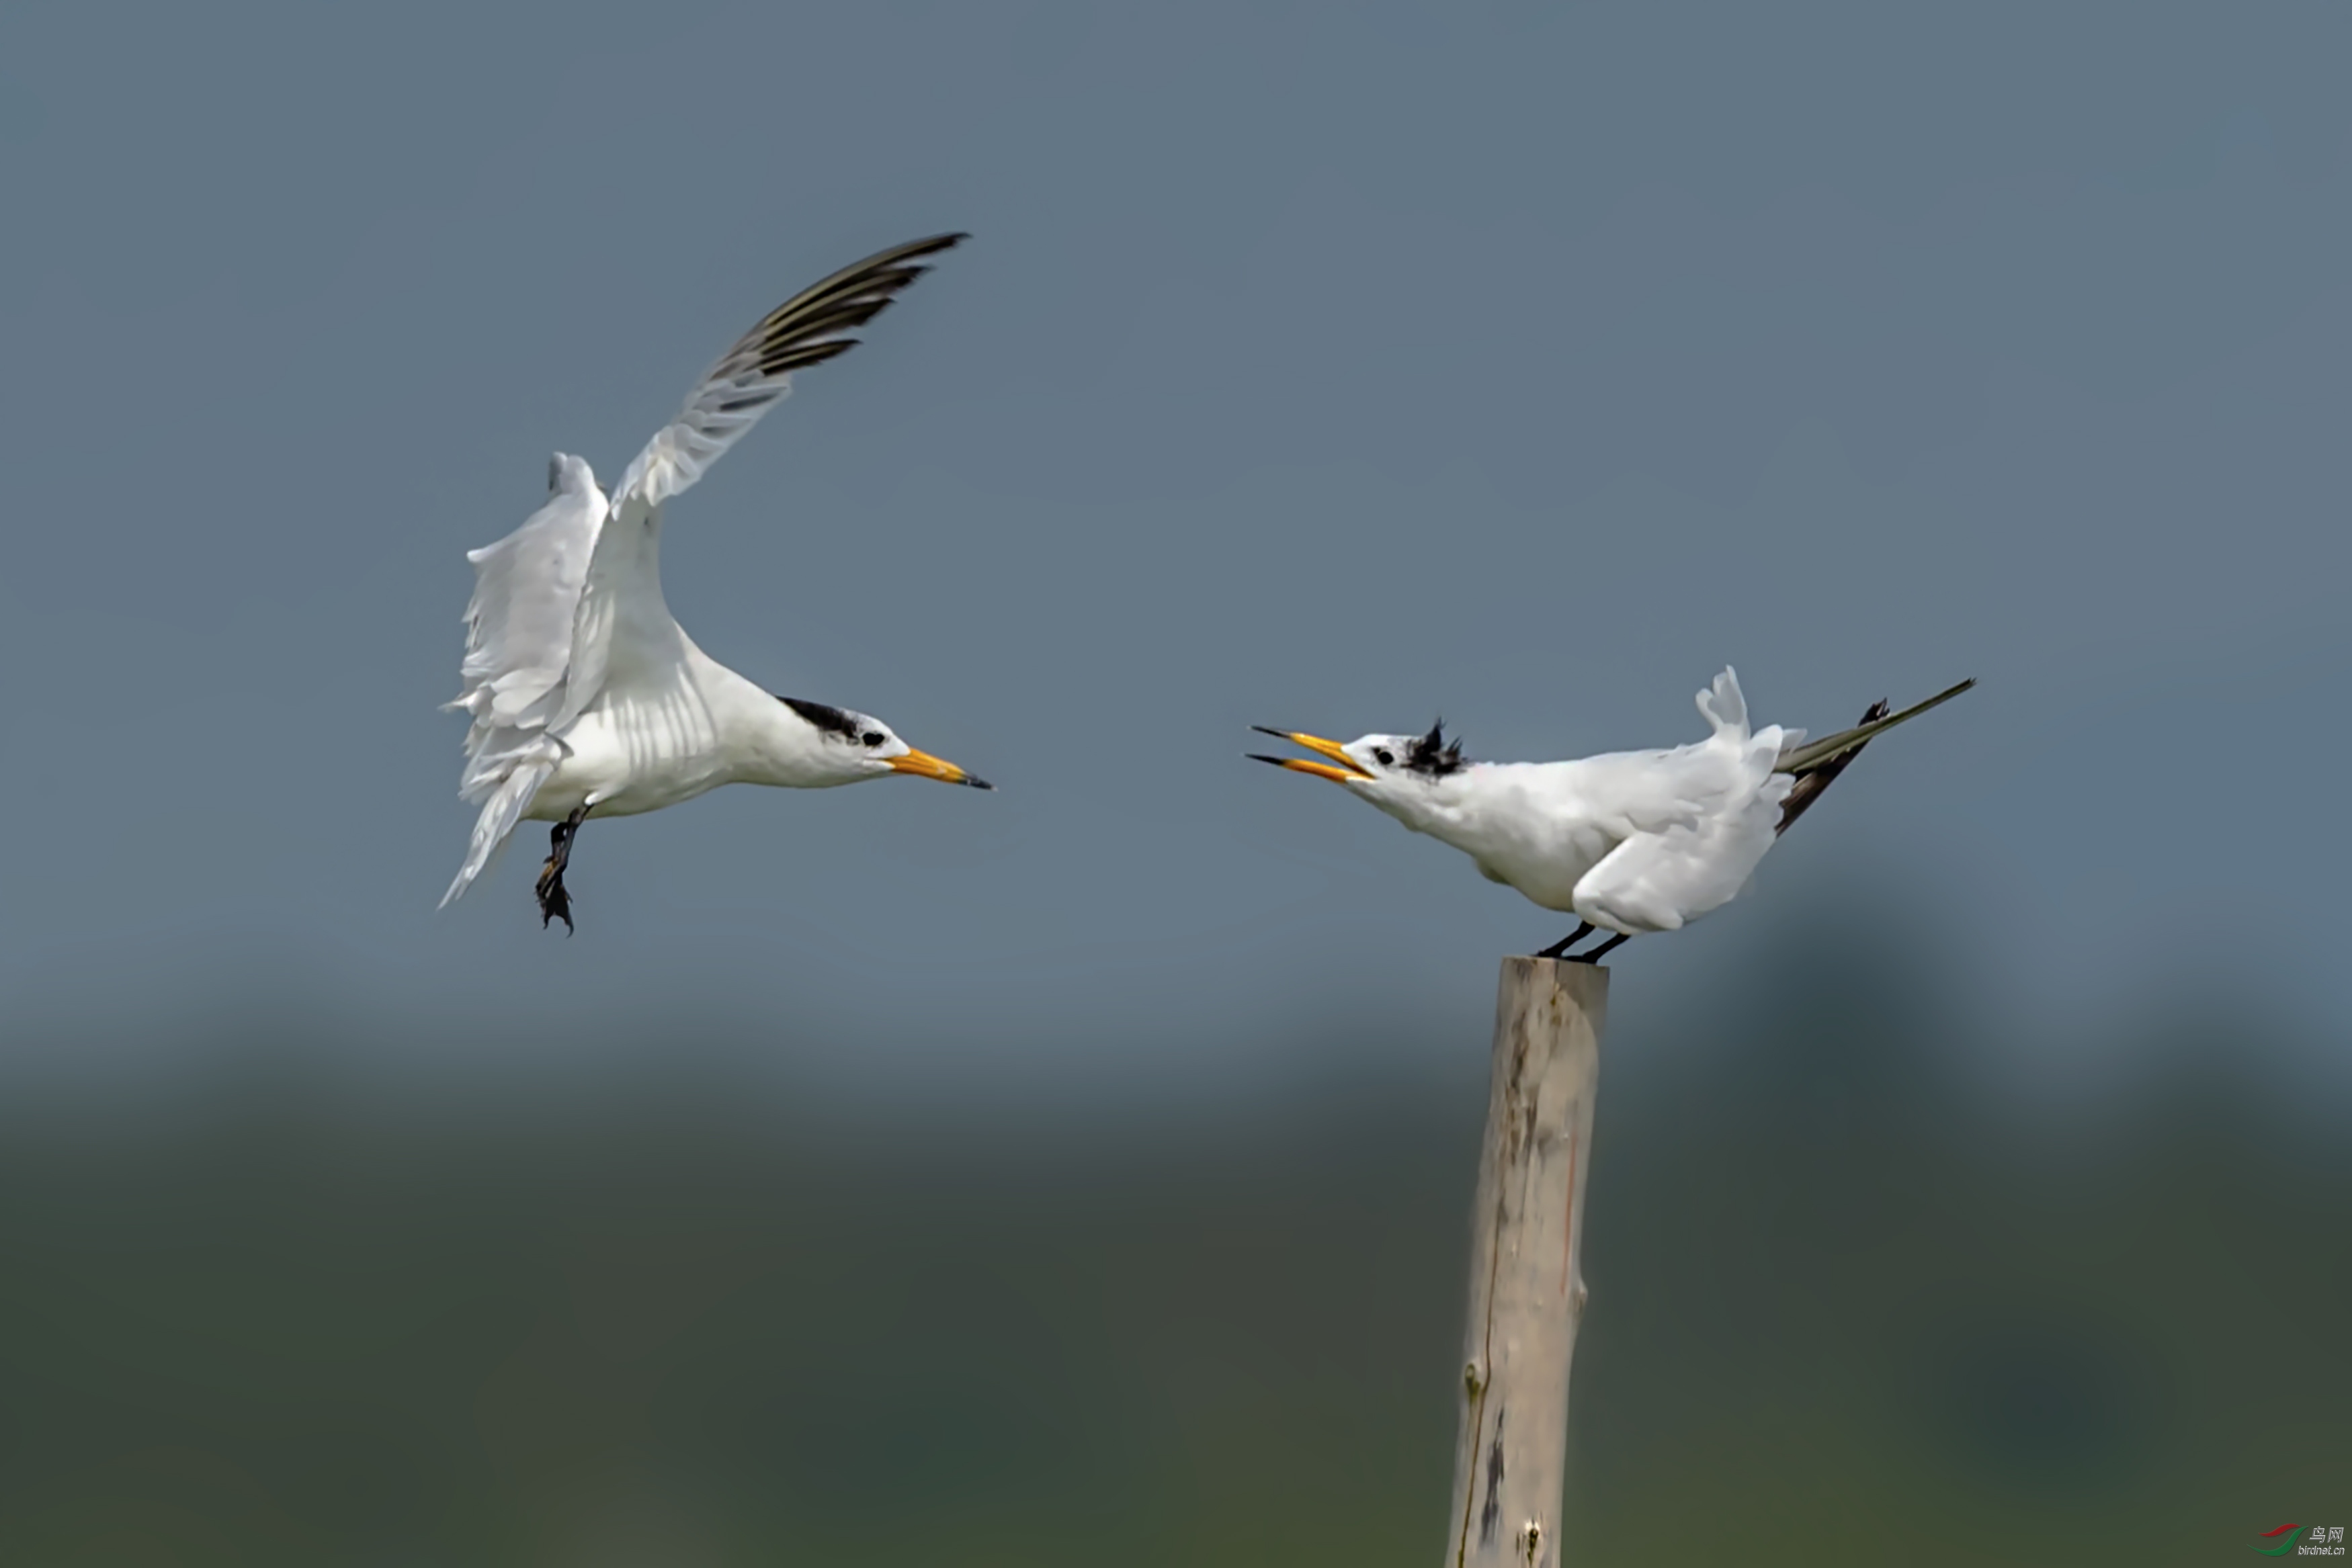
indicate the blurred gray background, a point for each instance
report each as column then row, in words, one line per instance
column 877, row 1171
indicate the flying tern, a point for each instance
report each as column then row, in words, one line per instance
column 585, row 694
column 1630, row 842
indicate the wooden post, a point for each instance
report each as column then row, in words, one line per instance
column 1526, row 1282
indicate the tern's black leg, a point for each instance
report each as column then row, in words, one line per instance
column 554, row 903
column 1559, row 949
column 1594, row 956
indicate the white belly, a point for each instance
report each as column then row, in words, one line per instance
column 1545, row 867
column 627, row 757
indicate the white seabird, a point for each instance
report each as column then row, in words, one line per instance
column 585, row 694
column 1629, row 841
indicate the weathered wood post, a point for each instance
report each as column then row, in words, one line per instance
column 1526, row 1282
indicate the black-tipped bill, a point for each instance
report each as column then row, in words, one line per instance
column 923, row 765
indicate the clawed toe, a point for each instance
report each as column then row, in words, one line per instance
column 554, row 903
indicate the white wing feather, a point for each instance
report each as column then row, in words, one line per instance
column 526, row 594
column 1634, row 792
column 1661, row 881
column 812, row 326
column 527, row 590
column 622, row 600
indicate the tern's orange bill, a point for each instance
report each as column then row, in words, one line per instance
column 923, row 765
column 1346, row 771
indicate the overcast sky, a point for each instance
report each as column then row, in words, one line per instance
column 1328, row 367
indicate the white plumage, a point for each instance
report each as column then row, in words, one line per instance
column 1629, row 841
column 584, row 693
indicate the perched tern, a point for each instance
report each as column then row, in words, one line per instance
column 585, row 694
column 1629, row 841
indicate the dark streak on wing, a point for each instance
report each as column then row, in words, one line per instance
column 1817, row 763
column 1812, row 754
column 826, row 718
column 811, row 326
column 1809, row 785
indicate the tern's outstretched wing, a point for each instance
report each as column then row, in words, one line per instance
column 527, row 592
column 812, row 326
column 622, row 621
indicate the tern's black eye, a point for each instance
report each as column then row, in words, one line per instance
column 872, row 737
column 1383, row 758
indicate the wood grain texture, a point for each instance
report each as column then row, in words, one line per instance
column 1527, row 1282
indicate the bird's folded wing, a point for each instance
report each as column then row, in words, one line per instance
column 1805, row 757
column 1628, row 792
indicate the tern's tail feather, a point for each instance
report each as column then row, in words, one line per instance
column 500, row 812
column 1818, row 763
column 1722, row 706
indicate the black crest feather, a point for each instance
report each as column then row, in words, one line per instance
column 824, row 717
column 1432, row 754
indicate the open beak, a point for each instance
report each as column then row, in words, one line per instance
column 1347, row 772
column 924, row 765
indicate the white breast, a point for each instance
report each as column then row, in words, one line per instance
column 638, row 749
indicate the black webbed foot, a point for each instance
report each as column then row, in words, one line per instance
column 554, row 901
